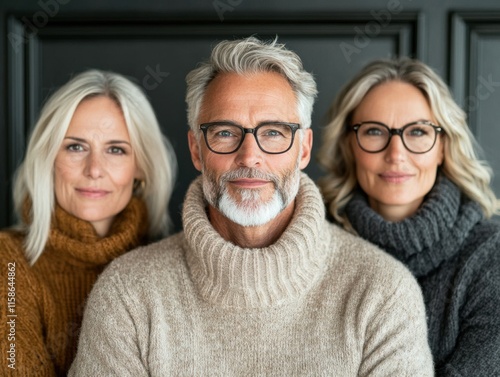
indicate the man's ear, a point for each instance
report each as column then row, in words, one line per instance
column 307, row 142
column 194, row 148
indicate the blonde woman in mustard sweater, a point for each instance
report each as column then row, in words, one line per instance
column 84, row 194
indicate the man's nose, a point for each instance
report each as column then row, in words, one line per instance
column 249, row 154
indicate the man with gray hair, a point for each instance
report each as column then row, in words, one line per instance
column 258, row 283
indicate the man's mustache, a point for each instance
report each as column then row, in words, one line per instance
column 249, row 173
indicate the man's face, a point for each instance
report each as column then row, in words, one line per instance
column 249, row 186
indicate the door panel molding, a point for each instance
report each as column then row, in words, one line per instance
column 475, row 78
column 405, row 32
column 468, row 30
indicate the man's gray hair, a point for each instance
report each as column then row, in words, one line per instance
column 247, row 56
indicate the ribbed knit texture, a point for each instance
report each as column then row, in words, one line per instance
column 258, row 277
column 318, row 302
column 50, row 296
column 455, row 255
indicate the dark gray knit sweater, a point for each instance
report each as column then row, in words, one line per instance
column 455, row 255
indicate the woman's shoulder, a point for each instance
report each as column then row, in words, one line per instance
column 479, row 257
column 488, row 226
column 11, row 244
column 13, row 258
column 484, row 238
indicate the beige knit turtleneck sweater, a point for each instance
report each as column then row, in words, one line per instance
column 319, row 301
column 43, row 325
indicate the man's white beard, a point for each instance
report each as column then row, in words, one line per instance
column 251, row 211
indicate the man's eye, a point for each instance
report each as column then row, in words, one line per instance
column 275, row 131
column 224, row 133
column 272, row 133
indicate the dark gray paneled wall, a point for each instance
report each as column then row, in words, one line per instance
column 45, row 42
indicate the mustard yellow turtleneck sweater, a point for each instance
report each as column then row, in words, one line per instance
column 40, row 328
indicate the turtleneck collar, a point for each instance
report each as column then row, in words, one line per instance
column 232, row 276
column 75, row 241
column 426, row 239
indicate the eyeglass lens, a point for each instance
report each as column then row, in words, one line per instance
column 418, row 138
column 272, row 138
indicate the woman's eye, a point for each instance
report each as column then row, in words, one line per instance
column 417, row 132
column 374, row 132
column 116, row 150
column 75, row 148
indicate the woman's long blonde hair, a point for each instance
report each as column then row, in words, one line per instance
column 34, row 178
column 461, row 162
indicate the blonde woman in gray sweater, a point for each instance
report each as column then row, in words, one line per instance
column 258, row 283
column 403, row 172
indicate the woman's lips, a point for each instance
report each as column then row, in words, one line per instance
column 394, row 177
column 92, row 193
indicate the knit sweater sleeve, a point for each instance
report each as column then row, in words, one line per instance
column 108, row 343
column 396, row 337
column 23, row 348
column 477, row 350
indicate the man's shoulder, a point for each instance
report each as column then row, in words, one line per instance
column 360, row 257
column 351, row 246
column 145, row 260
column 363, row 275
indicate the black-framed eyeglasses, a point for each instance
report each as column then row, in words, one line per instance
column 418, row 137
column 271, row 137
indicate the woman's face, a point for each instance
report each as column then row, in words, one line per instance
column 95, row 166
column 395, row 179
